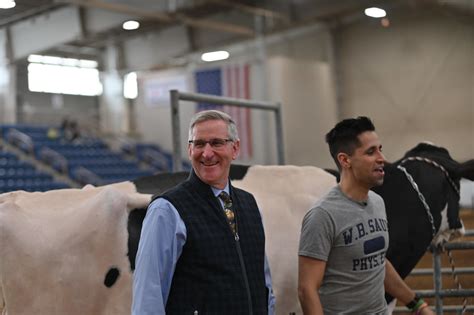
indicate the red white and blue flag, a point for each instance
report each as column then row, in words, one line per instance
column 231, row 81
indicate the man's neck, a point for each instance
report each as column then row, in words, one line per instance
column 353, row 190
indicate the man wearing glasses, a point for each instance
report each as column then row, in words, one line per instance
column 202, row 246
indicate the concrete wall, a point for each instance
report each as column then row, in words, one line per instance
column 415, row 79
column 306, row 92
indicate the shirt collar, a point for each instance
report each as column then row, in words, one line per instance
column 217, row 191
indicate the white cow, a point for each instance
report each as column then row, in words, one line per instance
column 56, row 247
column 284, row 194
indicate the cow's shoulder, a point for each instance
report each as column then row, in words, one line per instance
column 238, row 171
column 158, row 183
column 433, row 153
column 428, row 149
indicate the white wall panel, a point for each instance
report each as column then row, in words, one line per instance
column 144, row 52
column 153, row 111
column 98, row 20
column 45, row 31
column 305, row 88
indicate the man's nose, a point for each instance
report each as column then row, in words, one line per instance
column 208, row 150
column 381, row 158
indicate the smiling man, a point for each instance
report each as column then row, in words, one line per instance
column 344, row 237
column 202, row 245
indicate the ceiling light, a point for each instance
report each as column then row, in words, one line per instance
column 215, row 55
column 7, row 4
column 375, row 12
column 130, row 25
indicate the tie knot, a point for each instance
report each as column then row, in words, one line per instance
column 226, row 199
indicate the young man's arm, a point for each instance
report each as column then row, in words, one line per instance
column 310, row 277
column 396, row 287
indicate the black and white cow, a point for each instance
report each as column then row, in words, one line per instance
column 425, row 172
column 98, row 281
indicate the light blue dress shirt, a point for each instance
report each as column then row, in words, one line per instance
column 161, row 243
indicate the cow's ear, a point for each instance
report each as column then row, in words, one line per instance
column 466, row 170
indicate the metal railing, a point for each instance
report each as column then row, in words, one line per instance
column 176, row 96
column 55, row 159
column 20, row 140
column 438, row 293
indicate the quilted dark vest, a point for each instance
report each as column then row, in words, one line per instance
column 216, row 274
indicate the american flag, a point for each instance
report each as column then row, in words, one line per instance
column 232, row 81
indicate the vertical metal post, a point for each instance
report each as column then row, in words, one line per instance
column 279, row 136
column 437, row 281
column 177, row 166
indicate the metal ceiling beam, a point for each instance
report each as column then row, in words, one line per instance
column 163, row 17
column 215, row 25
column 252, row 10
column 27, row 14
column 120, row 8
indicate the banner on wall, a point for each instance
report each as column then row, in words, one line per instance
column 231, row 81
column 156, row 88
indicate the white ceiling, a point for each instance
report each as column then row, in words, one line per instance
column 236, row 18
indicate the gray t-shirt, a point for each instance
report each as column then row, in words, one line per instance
column 352, row 237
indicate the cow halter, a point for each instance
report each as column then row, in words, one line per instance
column 428, row 212
column 422, row 198
column 415, row 186
column 437, row 165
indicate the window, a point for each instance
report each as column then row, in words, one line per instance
column 130, row 86
column 63, row 75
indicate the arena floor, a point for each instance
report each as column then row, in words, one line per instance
column 462, row 258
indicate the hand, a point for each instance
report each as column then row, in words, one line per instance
column 426, row 311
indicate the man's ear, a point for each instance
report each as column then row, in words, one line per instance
column 235, row 149
column 344, row 160
column 190, row 151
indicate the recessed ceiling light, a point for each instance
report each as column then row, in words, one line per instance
column 130, row 25
column 215, row 55
column 375, row 12
column 7, row 4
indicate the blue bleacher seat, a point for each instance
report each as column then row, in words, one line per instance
column 16, row 174
column 92, row 155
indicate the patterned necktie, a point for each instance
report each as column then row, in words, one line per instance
column 229, row 213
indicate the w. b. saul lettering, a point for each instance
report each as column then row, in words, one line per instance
column 373, row 225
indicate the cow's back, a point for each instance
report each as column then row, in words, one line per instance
column 284, row 194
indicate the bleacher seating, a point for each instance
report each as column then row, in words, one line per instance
column 86, row 160
column 153, row 155
column 20, row 175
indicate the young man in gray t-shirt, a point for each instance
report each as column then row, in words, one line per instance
column 344, row 237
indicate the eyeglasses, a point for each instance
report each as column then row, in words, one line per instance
column 214, row 143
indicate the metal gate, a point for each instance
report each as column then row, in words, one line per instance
column 439, row 293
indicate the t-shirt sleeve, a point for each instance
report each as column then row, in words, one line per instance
column 317, row 234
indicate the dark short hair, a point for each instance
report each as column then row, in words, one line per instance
column 344, row 136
